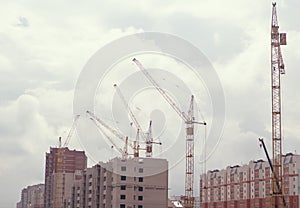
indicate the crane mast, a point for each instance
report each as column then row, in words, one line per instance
column 189, row 174
column 277, row 68
column 189, row 121
column 59, row 169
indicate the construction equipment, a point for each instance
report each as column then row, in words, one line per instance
column 122, row 138
column 124, row 151
column 59, row 169
column 189, row 120
column 277, row 68
column 148, row 138
column 278, row 185
column 136, row 144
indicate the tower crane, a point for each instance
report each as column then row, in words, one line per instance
column 136, row 148
column 277, row 68
column 136, row 144
column 124, row 151
column 59, row 196
column 189, row 120
column 149, row 141
column 148, row 138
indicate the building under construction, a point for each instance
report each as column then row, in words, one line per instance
column 249, row 185
column 60, row 174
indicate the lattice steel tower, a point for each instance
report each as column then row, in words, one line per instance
column 277, row 68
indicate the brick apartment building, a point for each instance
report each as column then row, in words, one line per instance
column 130, row 183
column 249, row 185
column 72, row 162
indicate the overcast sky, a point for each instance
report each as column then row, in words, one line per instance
column 45, row 45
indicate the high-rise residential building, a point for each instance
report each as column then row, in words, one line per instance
column 64, row 172
column 249, row 185
column 32, row 196
column 123, row 183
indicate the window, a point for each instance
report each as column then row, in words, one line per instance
column 140, row 206
column 123, row 168
column 122, row 196
column 141, row 170
column 122, row 206
column 140, row 198
column 123, row 178
column 123, row 187
column 140, row 188
column 141, row 179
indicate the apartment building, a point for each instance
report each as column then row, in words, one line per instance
column 67, row 174
column 123, row 183
column 32, row 196
column 249, row 185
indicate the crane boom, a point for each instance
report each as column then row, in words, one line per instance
column 114, row 131
column 71, row 130
column 189, row 121
column 161, row 91
column 123, row 152
column 132, row 116
column 147, row 138
column 272, row 169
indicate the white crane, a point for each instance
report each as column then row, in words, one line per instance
column 115, row 132
column 189, row 120
column 147, row 138
column 124, row 151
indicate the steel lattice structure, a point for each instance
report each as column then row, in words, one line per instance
column 277, row 68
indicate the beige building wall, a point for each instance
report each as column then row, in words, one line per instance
column 130, row 183
column 32, row 196
column 145, row 181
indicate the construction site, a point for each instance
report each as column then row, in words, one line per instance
column 138, row 179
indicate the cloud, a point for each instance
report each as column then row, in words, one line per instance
column 23, row 22
column 44, row 46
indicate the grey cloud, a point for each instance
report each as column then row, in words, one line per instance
column 23, row 22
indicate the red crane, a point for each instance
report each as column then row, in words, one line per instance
column 147, row 138
column 124, row 151
column 277, row 68
column 189, row 120
column 122, row 138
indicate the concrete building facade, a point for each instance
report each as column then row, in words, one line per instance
column 249, row 185
column 120, row 183
column 72, row 162
column 32, row 197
